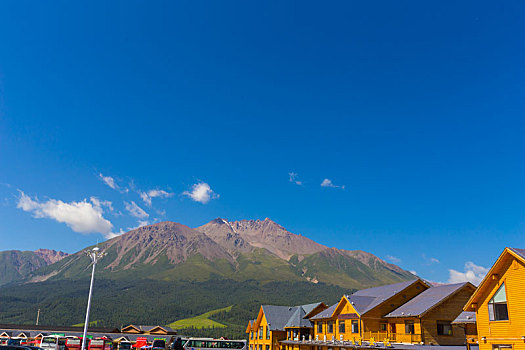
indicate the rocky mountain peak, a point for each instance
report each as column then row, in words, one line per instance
column 50, row 256
column 266, row 234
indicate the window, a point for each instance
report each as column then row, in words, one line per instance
column 295, row 333
column 260, row 347
column 409, row 327
column 501, row 346
column 289, row 334
column 498, row 305
column 330, row 325
column 251, row 334
column 444, row 328
column 268, row 332
column 382, row 327
column 261, row 329
column 355, row 326
column 319, row 327
column 267, row 347
column 341, row 326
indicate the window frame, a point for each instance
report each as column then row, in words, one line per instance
column 410, row 324
column 320, row 327
column 492, row 316
column 342, row 325
column 352, row 323
column 444, row 323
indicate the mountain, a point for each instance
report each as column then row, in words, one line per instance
column 237, row 250
column 164, row 272
column 261, row 234
column 15, row 265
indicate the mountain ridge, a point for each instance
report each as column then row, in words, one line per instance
column 239, row 250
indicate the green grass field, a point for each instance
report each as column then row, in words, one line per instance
column 200, row 321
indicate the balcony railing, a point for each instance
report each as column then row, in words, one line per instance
column 393, row 337
column 406, row 338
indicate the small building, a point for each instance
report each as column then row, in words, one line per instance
column 268, row 329
column 154, row 330
column 467, row 320
column 427, row 318
column 499, row 303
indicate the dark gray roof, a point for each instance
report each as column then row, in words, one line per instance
column 520, row 252
column 423, row 302
column 366, row 299
column 277, row 316
column 466, row 317
column 309, row 307
column 326, row 313
column 297, row 319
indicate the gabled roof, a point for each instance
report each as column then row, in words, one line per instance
column 130, row 328
column 310, row 307
column 298, row 320
column 326, row 313
column 518, row 251
column 430, row 298
column 249, row 327
column 515, row 253
column 277, row 316
column 367, row 299
column 465, row 317
column 315, row 310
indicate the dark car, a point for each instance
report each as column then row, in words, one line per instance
column 19, row 347
column 158, row 344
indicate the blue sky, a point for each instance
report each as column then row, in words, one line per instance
column 415, row 108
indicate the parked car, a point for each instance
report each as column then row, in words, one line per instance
column 158, row 344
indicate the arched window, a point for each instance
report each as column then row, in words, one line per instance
column 498, row 305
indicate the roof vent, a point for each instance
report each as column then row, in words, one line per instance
column 402, row 313
column 290, row 308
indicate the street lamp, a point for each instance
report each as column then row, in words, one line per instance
column 95, row 254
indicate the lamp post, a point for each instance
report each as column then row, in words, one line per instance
column 95, row 254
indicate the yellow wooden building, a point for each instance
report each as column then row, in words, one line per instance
column 268, row 329
column 499, row 303
column 359, row 316
column 427, row 318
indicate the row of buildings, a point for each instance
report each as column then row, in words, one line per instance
column 128, row 333
column 413, row 312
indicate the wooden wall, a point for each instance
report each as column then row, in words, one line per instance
column 447, row 311
column 504, row 332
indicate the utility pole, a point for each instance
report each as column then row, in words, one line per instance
column 37, row 316
column 95, row 254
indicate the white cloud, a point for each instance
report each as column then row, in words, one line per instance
column 135, row 210
column 293, row 178
column 393, row 259
column 201, row 192
column 100, row 203
column 434, row 260
column 473, row 273
column 413, row 272
column 147, row 196
column 83, row 217
column 108, row 180
column 329, row 183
